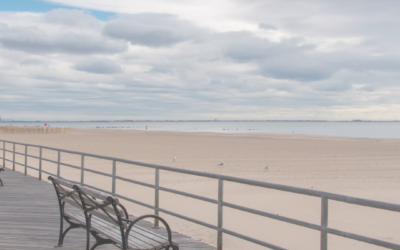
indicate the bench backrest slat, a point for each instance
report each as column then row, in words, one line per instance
column 71, row 202
column 63, row 182
column 97, row 194
column 88, row 191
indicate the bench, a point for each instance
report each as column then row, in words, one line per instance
column 103, row 217
column 1, row 182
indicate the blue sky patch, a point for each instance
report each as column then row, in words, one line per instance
column 42, row 6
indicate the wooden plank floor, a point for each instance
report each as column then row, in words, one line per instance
column 29, row 218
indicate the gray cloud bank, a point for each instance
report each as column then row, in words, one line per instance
column 67, row 64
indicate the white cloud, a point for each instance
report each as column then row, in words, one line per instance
column 217, row 63
column 98, row 66
column 50, row 33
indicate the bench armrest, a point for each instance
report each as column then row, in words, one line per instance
column 125, row 212
column 133, row 222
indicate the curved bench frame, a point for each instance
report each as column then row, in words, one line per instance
column 105, row 209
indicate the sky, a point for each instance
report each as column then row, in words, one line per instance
column 198, row 60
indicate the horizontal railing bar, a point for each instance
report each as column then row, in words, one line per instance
column 48, row 173
column 332, row 196
column 135, row 182
column 273, row 216
column 33, row 156
column 371, row 203
column 23, row 165
column 167, row 212
column 26, row 166
column 187, row 218
column 20, row 164
column 31, row 167
column 17, row 153
column 31, row 145
column 363, row 239
column 97, row 172
column 134, row 201
column 48, row 160
column 69, row 165
column 188, row 195
column 98, row 189
column 167, row 190
column 259, row 242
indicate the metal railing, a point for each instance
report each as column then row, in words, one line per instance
column 325, row 196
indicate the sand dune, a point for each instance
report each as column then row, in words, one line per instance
column 361, row 167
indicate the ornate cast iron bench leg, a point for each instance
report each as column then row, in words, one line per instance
column 71, row 226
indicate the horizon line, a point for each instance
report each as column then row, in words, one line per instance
column 205, row 120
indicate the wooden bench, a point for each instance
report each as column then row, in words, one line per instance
column 1, row 182
column 105, row 219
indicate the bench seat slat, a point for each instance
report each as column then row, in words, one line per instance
column 110, row 235
column 114, row 234
column 154, row 234
column 150, row 235
column 94, row 212
column 137, row 240
column 111, row 231
column 106, row 218
column 143, row 235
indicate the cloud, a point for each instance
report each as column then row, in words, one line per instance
column 73, row 18
column 244, row 46
column 51, row 33
column 33, row 61
column 164, row 66
column 266, row 26
column 151, row 30
column 99, row 66
column 142, row 34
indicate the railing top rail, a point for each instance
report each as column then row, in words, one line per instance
column 304, row 191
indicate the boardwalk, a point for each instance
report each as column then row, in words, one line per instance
column 29, row 218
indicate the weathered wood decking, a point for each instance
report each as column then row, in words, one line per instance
column 29, row 218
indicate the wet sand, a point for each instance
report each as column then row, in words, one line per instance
column 361, row 167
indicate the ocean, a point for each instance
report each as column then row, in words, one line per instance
column 348, row 129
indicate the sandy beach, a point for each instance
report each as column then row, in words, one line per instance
column 360, row 167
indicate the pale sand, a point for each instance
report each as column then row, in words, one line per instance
column 361, row 167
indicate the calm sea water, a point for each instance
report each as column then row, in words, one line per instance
column 350, row 129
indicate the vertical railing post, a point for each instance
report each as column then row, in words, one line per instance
column 82, row 169
column 156, row 196
column 13, row 156
column 324, row 223
column 220, row 212
column 26, row 160
column 4, row 154
column 114, row 173
column 40, row 163
column 58, row 163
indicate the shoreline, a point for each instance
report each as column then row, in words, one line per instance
column 224, row 131
column 204, row 121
